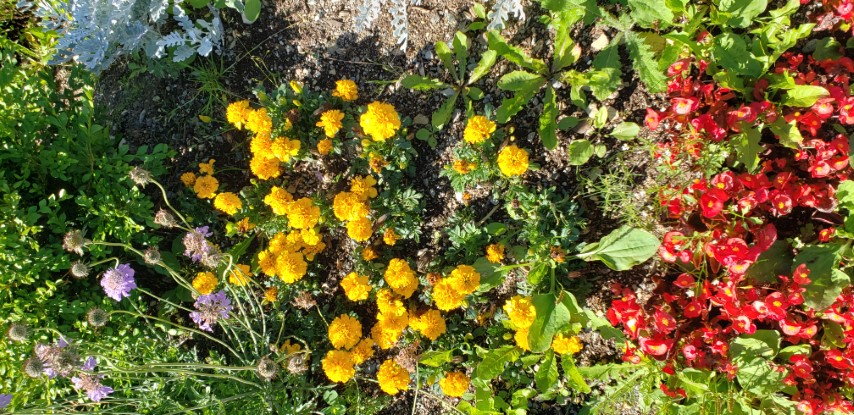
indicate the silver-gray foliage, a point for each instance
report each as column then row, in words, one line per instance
column 501, row 11
column 95, row 33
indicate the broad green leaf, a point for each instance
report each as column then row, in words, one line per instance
column 600, row 118
column 461, row 51
column 804, row 95
column 514, row 54
column 443, row 114
column 747, row 145
column 741, row 13
column 622, row 249
column 521, row 81
column 625, row 131
column 444, row 53
column 696, row 382
column 251, row 10
column 422, row 83
column 436, row 358
column 548, row 119
column 546, row 375
column 827, row 48
column 490, row 275
column 759, row 378
column 573, row 376
column 487, row 60
column 538, row 272
column 645, row 63
column 495, row 361
column 776, row 260
column 732, row 53
column 496, row 228
column 762, row 343
column 580, row 152
column 551, row 317
column 566, row 123
column 566, row 51
column 789, row 351
column 511, row 106
column 827, row 280
column 833, row 335
column 788, row 133
column 651, row 13
column 845, row 195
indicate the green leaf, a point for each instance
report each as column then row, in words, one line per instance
column 759, row 378
column 622, row 249
column 566, row 51
column 538, row 272
column 580, row 152
column 625, row 131
column 741, row 13
column 731, row 52
column 804, row 95
column 461, row 51
column 747, row 145
column 567, row 122
column 443, row 114
column 651, row 13
column 511, row 106
column 762, row 343
column 496, row 228
column 827, row 280
column 573, row 376
column 645, row 64
column 548, row 119
column 551, row 317
column 600, row 118
column 495, row 361
column 776, row 260
column 251, row 10
column 521, row 81
column 790, row 351
column 444, row 53
column 490, row 275
column 788, row 133
column 514, row 54
column 436, row 358
column 827, row 48
column 546, row 375
column 845, row 195
column 422, row 83
column 487, row 60
column 605, row 80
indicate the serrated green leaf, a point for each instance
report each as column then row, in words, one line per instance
column 804, row 95
column 622, row 249
column 645, row 64
column 443, row 114
column 580, row 152
column 740, row 13
column 461, row 51
column 605, row 80
column 422, row 83
column 495, row 361
column 546, row 375
column 551, row 317
column 514, row 54
column 651, row 13
column 487, row 60
column 566, row 51
column 732, row 53
column 573, row 376
column 625, row 131
column 436, row 358
column 525, row 85
column 520, row 81
column 548, row 120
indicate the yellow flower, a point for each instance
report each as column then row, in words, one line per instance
column 296, row 86
column 303, row 214
column 401, row 278
column 389, row 304
column 363, row 351
column 338, row 366
column 206, row 187
column 386, row 333
column 267, row 262
column 390, row 237
column 259, row 122
column 465, row 278
column 356, row 286
column 188, row 178
column 310, row 236
column 380, row 121
column 289, row 348
column 521, row 311
column 346, row 90
column 478, row 129
column 430, row 324
column 521, row 338
column 261, row 145
column 495, row 253
column 377, row 163
column 454, row 384
column 205, row 282
column 566, row 345
column 446, row 296
column 244, row 225
column 360, row 229
column 363, row 187
column 312, row 250
column 290, row 242
column 207, row 168
column 284, row 148
column 271, row 294
column 291, row 267
column 240, row 275
column 368, row 254
column 331, row 122
column 344, row 332
column 392, row 377
column 347, row 206
column 463, row 166
column 513, row 161
column 265, row 167
column 228, row 202
column 279, row 199
column 237, row 113
column 324, row 146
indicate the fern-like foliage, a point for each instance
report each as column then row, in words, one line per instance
column 501, row 11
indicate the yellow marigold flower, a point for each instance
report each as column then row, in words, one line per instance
column 384, row 336
column 324, row 146
column 240, row 275
column 430, row 324
column 330, row 121
column 401, row 278
column 463, row 166
column 346, row 90
column 282, row 242
column 521, row 338
column 446, row 296
column 244, row 225
column 303, row 214
column 377, row 163
column 356, row 286
column 562, row 344
column 285, row 148
column 289, row 348
column 495, row 253
column 363, row 351
column 454, row 384
column 265, row 167
column 363, row 187
column 360, row 229
column 188, row 178
column 228, row 202
column 521, row 311
column 291, row 267
column 478, row 129
column 513, row 161
column 261, row 145
column 207, row 168
column 390, row 237
column 312, row 250
column 311, row 236
column 206, row 187
column 344, row 332
column 369, row 254
column 380, row 121
column 259, row 122
column 392, row 377
column 237, row 113
column 267, row 262
column 271, row 294
column 347, row 206
column 389, row 304
column 205, row 282
column 338, row 366
column 465, row 278
column 278, row 199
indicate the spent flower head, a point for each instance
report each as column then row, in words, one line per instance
column 97, row 317
column 151, row 256
column 18, row 332
column 140, row 176
column 165, row 219
column 267, row 368
column 79, row 269
column 74, row 241
column 33, row 367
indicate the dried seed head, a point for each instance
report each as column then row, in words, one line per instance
column 151, row 256
column 79, row 270
column 18, row 332
column 165, row 219
column 33, row 367
column 97, row 317
column 140, row 176
column 297, row 364
column 65, row 362
column 267, row 369
column 74, row 242
column 304, row 300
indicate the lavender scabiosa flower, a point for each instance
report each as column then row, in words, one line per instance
column 118, row 282
column 211, row 308
column 91, row 383
column 5, row 400
column 195, row 244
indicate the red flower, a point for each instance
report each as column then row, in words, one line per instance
column 673, row 393
column 684, row 281
column 826, row 234
column 744, row 325
column 781, row 203
column 777, row 305
column 652, row 119
column 656, row 346
column 801, row 275
column 836, row 359
column 693, row 309
column 801, row 366
column 684, row 106
column 678, row 67
column 790, row 328
column 712, row 202
column 664, row 323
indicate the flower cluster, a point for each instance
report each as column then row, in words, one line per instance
column 450, row 292
column 210, row 309
column 353, row 207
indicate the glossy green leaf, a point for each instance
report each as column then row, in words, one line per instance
column 487, row 60
column 622, row 249
column 422, row 83
column 251, row 10
column 548, row 120
column 573, row 376
column 804, row 95
column 580, row 152
column 436, row 358
column 443, row 114
column 625, row 131
column 514, row 54
column 547, row 374
column 551, row 317
column 741, row 13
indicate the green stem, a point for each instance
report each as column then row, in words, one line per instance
column 166, row 200
column 199, row 332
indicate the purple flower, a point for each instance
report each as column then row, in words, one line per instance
column 5, row 400
column 57, row 359
column 211, row 308
column 118, row 282
column 89, row 364
column 92, row 385
column 195, row 244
